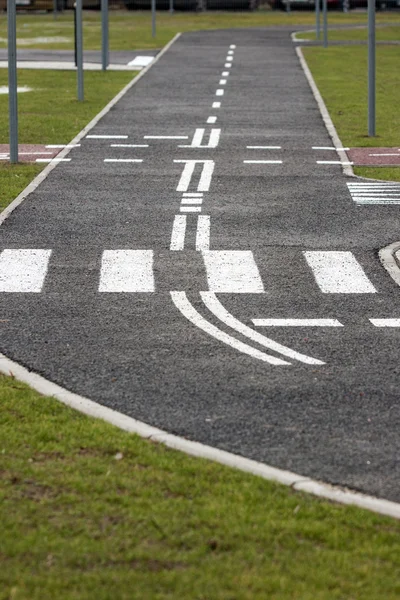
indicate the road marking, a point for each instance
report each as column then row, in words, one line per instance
column 187, row 309
column 232, row 271
column 230, row 52
column 34, row 153
column 211, row 120
column 178, row 233
column 23, row 270
column 376, row 201
column 214, row 305
column 225, row 74
column 219, row 93
column 192, row 201
column 194, row 194
column 203, row 233
column 127, row 271
column 264, row 162
column 48, row 160
column 165, row 137
column 229, row 59
column 329, row 148
column 190, row 209
column 334, row 162
column 384, row 154
column 63, row 146
column 129, row 145
column 297, row 323
column 222, row 82
column 375, row 193
column 264, row 147
column 141, row 61
column 216, row 105
column 123, row 160
column 198, row 139
column 187, row 173
column 338, row 273
column 233, row 46
column 227, row 65
column 385, row 322
column 106, row 137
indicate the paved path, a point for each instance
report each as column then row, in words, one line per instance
column 162, row 288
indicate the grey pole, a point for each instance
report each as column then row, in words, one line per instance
column 104, row 35
column 79, row 49
column 171, row 6
column 325, row 20
column 317, row 19
column 288, row 6
column 371, row 68
column 153, row 18
column 12, row 79
column 55, row 8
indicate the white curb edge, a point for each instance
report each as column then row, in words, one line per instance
column 92, row 409
column 347, row 169
column 387, row 256
column 43, row 174
column 130, row 425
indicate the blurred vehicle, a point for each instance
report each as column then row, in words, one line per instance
column 193, row 5
column 48, row 5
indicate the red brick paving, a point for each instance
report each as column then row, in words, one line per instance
column 374, row 157
column 28, row 153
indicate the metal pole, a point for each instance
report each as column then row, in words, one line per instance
column 55, row 8
column 12, row 79
column 317, row 19
column 171, row 6
column 79, row 48
column 325, row 22
column 371, row 68
column 288, row 6
column 76, row 58
column 153, row 18
column 104, row 35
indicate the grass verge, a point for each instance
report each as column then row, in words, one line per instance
column 341, row 76
column 132, row 30
column 88, row 511
column 383, row 34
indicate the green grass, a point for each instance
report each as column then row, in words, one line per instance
column 156, row 524
column 132, row 30
column 383, row 34
column 344, row 90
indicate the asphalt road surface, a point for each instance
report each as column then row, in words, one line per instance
column 227, row 287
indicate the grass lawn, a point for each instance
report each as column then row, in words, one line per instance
column 88, row 511
column 132, row 30
column 344, row 90
column 383, row 34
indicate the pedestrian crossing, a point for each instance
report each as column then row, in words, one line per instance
column 231, row 272
column 374, row 192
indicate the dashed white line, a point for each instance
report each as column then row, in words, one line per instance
column 264, row 147
column 23, row 271
column 178, row 233
column 264, row 162
column 129, row 145
column 192, row 201
column 48, row 160
column 232, row 46
column 63, row 146
column 127, row 271
column 329, row 148
column 211, row 120
column 385, row 154
column 222, row 82
column 123, row 160
column 203, row 233
column 194, row 194
column 227, row 65
column 219, row 93
column 385, row 322
column 230, row 52
column 106, row 137
column 190, row 209
column 165, row 137
column 297, row 323
column 216, row 105
column 232, row 272
column 338, row 273
column 334, row 162
column 224, row 73
column 229, row 58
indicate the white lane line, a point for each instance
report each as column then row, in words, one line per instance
column 187, row 309
column 219, row 93
column 63, row 146
column 206, row 175
column 34, row 153
column 54, row 160
column 194, row 194
column 178, row 233
column 263, row 162
column 127, row 271
column 264, row 147
column 23, row 270
column 203, row 233
column 376, row 201
column 329, row 148
column 123, row 160
column 187, row 201
column 232, row 46
column 190, row 209
column 216, row 105
column 225, row 74
column 338, row 273
column 385, row 154
column 186, row 176
column 232, row 271
column 217, row 309
column 229, row 59
column 368, row 194
column 334, row 162
column 129, row 145
column 385, row 322
column 211, row 120
column 227, row 65
column 222, row 82
column 187, row 173
column 230, row 52
column 297, row 323
column 106, row 137
column 198, row 139
column 165, row 137
column 140, row 61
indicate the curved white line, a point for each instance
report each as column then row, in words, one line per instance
column 187, row 309
column 215, row 306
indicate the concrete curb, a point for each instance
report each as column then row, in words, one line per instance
column 390, row 259
column 347, row 169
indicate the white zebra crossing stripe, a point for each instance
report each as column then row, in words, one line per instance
column 385, row 322
column 338, row 273
column 232, row 272
column 297, row 323
column 375, row 193
column 127, row 271
column 23, row 270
